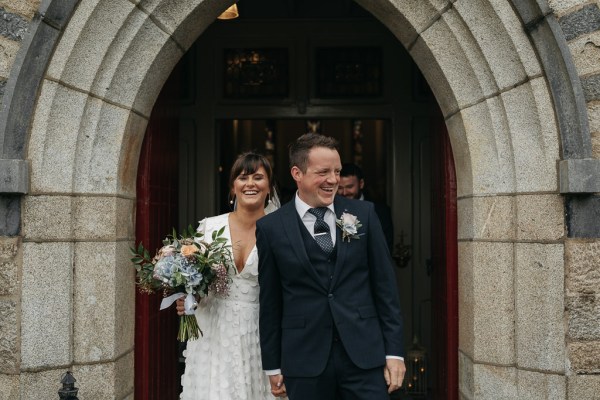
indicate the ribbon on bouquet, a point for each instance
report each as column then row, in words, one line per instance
column 190, row 303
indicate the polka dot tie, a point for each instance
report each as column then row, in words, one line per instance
column 322, row 234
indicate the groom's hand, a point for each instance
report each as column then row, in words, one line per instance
column 394, row 373
column 277, row 385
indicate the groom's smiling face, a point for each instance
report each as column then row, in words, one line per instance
column 317, row 186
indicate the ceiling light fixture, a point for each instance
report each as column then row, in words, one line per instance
column 230, row 13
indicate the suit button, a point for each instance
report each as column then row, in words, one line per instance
column 330, row 277
column 330, row 295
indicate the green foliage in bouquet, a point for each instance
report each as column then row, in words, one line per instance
column 188, row 265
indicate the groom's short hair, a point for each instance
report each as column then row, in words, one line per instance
column 300, row 148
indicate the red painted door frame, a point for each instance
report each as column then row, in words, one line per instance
column 444, row 282
column 156, row 347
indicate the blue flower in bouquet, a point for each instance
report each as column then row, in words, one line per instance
column 166, row 267
column 192, row 276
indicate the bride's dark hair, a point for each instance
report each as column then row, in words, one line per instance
column 247, row 164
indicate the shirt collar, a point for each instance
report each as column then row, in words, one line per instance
column 303, row 208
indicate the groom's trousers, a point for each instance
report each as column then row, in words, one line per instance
column 341, row 380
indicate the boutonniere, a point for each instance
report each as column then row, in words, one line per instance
column 349, row 225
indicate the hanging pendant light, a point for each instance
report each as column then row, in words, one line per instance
column 230, row 13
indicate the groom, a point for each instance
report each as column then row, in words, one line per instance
column 330, row 321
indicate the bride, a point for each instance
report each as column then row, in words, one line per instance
column 225, row 362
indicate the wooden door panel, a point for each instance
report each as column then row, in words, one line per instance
column 444, row 278
column 156, row 346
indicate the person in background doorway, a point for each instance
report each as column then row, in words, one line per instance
column 352, row 184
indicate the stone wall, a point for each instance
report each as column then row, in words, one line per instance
column 78, row 221
column 14, row 21
column 580, row 22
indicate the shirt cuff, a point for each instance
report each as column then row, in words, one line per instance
column 271, row 372
column 392, row 357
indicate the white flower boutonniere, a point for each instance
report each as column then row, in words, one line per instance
column 349, row 225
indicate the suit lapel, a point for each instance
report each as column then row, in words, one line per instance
column 341, row 248
column 291, row 223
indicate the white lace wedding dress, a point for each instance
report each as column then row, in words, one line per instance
column 225, row 363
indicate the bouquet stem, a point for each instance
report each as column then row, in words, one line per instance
column 188, row 328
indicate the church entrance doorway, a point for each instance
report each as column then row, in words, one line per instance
column 235, row 91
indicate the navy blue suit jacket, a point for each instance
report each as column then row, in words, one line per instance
column 298, row 310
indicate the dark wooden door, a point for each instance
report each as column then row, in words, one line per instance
column 444, row 275
column 156, row 346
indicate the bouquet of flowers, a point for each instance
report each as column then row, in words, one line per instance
column 186, row 266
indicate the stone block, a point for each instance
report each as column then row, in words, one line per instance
column 583, row 216
column 26, row 8
column 131, row 56
column 582, row 267
column 46, row 322
column 561, row 6
column 595, row 144
column 12, row 26
column 8, row 52
column 488, row 148
column 494, row 39
column 111, row 380
column 581, row 21
column 486, row 323
column 10, row 214
column 540, row 217
column 539, row 312
column 9, row 387
column 95, row 217
column 533, row 136
column 47, row 217
column 513, row 25
column 594, row 115
column 591, row 87
column 579, row 176
column 495, row 383
column 9, row 337
column 9, row 247
column 586, row 53
column 466, row 384
column 99, row 144
column 470, row 84
column 466, row 299
column 104, row 301
column 95, row 301
column 149, row 60
column 407, row 18
column 14, row 176
column 487, row 217
column 585, row 357
column 431, row 69
column 43, row 385
column 183, row 20
column 77, row 63
column 124, row 299
column 54, row 133
column 9, row 278
column 583, row 316
column 131, row 146
column 583, row 387
column 125, row 225
column 536, row 386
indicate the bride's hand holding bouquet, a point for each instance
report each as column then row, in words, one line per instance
column 186, row 266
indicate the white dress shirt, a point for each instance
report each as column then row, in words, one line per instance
column 309, row 219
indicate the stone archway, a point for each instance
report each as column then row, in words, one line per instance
column 90, row 101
